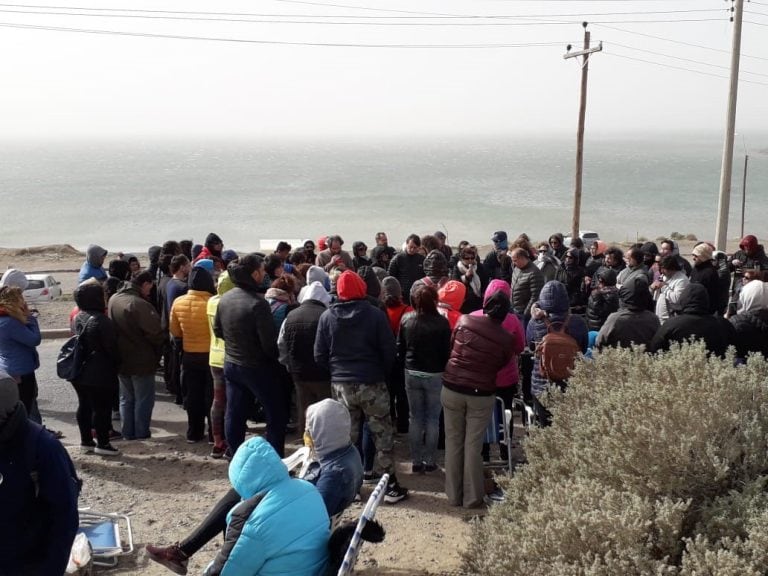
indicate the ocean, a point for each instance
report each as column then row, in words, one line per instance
column 130, row 195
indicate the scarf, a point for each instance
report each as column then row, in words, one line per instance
column 474, row 283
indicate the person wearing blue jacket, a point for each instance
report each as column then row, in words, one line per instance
column 93, row 267
column 281, row 525
column 553, row 306
column 19, row 339
column 38, row 493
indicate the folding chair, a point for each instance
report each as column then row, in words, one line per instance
column 298, row 462
column 499, row 427
column 103, row 531
column 348, row 565
column 528, row 415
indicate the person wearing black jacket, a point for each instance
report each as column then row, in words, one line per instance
column 244, row 321
column 96, row 384
column 423, row 344
column 695, row 321
column 408, row 266
column 704, row 273
column 603, row 300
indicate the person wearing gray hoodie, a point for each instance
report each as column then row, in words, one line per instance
column 93, row 267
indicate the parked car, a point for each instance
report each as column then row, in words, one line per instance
column 587, row 236
column 42, row 288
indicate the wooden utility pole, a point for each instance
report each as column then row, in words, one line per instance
column 580, row 133
column 724, row 200
column 744, row 194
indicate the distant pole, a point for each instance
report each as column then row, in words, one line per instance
column 580, row 133
column 744, row 193
column 726, row 173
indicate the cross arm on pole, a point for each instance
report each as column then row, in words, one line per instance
column 569, row 54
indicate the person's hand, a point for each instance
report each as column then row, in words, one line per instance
column 657, row 284
column 587, row 281
column 736, row 262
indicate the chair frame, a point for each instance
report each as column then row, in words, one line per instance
column 107, row 555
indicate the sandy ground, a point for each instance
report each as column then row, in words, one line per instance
column 167, row 485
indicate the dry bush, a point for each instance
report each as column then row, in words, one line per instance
column 652, row 466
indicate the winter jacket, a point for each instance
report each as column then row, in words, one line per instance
column 602, row 303
column 139, row 335
column 407, row 268
column 281, row 527
column 526, row 286
column 36, row 534
column 424, row 342
column 189, row 321
column 751, row 333
column 480, row 347
column 553, row 306
column 755, row 259
column 633, row 323
column 704, row 273
column 280, row 303
column 18, row 346
column 297, row 341
column 93, row 265
column 498, row 266
column 668, row 301
column 696, row 321
column 244, row 321
column 325, row 260
column 355, row 343
column 508, row 375
column 98, row 338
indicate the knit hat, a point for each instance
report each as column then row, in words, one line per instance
column 748, row 243
column 9, row 397
column 205, row 264
column 14, row 277
column 453, row 293
column 703, row 251
column 212, row 239
column 497, row 286
column 228, row 255
column 322, row 243
column 553, row 298
column 350, row 286
column 201, row 280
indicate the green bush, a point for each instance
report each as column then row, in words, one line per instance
column 653, row 465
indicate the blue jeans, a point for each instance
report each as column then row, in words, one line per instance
column 137, row 399
column 261, row 382
column 424, row 401
column 365, row 446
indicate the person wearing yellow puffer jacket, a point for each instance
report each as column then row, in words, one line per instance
column 189, row 322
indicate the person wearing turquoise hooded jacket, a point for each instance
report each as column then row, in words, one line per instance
column 281, row 525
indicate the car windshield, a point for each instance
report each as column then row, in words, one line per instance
column 35, row 285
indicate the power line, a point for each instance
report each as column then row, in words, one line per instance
column 755, row 23
column 681, row 68
column 276, row 42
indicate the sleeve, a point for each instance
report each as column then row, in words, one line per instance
column 149, row 323
column 265, row 328
column 282, row 347
column 58, row 491
column 394, row 268
column 604, row 336
column 519, row 336
column 238, row 554
column 174, row 325
column 444, row 342
column 402, row 340
column 217, row 329
column 322, row 343
column 27, row 334
column 660, row 340
column 536, row 284
column 387, row 348
column 108, row 339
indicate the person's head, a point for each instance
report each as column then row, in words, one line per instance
column 553, row 298
column 248, row 270
column 606, row 277
column 334, row 244
column 273, row 266
column 228, row 256
column 613, row 257
column 14, row 277
column 214, row 243
column 180, row 265
column 12, row 303
column 412, row 244
column 297, row 257
column 309, row 246
column 499, row 240
column 572, row 257
column 317, row 292
column 520, row 257
column 350, row 286
column 496, row 306
column 452, row 294
column 543, row 249
column 201, row 280
column 328, row 426
column 372, row 284
column 322, row 243
column 436, row 265
column 463, row 244
column 286, row 282
column 359, row 249
column 9, row 398
column 381, row 239
column 381, row 256
column 185, row 247
column 577, row 243
column 556, row 241
column 391, row 292
column 134, row 264
column 597, row 248
column 143, row 282
column 429, row 243
column 702, row 252
column 424, row 299
column 468, row 255
column 695, row 300
column 89, row 296
column 666, row 248
column 172, row 247
column 634, row 257
column 668, row 265
column 282, row 250
column 95, row 255
column 749, row 244
column 650, row 251
column 441, row 238
column 495, row 286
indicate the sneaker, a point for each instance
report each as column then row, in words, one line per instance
column 217, row 452
column 370, row 478
column 395, row 493
column 115, row 435
column 107, row 450
column 169, row 556
column 227, row 455
column 495, row 497
column 87, row 448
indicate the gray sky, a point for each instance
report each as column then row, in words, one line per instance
column 64, row 85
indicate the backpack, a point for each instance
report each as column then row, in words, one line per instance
column 557, row 352
column 71, row 358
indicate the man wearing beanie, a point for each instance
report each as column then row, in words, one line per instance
column 355, row 343
column 492, row 262
column 704, row 273
column 38, row 492
column 213, row 247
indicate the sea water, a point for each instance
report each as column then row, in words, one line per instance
column 132, row 194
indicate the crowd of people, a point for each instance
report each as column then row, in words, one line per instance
column 417, row 341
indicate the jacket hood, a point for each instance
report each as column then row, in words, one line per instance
column 695, row 300
column 372, row 284
column 256, row 468
column 753, row 296
column 748, row 243
column 497, row 286
column 14, row 277
column 452, row 294
column 316, row 291
column 317, row 274
column 608, row 276
column 378, row 251
column 553, row 298
column 224, row 283
column 329, row 426
column 356, row 245
column 391, row 289
column 496, row 306
column 211, row 240
column 200, row 279
column 90, row 297
column 241, row 277
column 95, row 255
column 119, row 269
column 634, row 294
column 350, row 286
column 154, row 254
column 435, row 265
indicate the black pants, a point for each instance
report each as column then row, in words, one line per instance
column 28, row 391
column 197, row 384
column 94, row 411
column 214, row 523
column 398, row 399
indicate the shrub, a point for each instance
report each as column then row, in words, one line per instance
column 676, row 236
column 691, row 237
column 653, row 465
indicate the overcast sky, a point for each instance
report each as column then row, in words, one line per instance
column 60, row 84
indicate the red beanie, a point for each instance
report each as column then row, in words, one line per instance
column 322, row 243
column 350, row 286
column 748, row 243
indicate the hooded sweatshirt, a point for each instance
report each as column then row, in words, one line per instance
column 315, row 274
column 633, row 323
column 296, row 341
column 451, row 295
column 93, row 265
column 280, row 527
